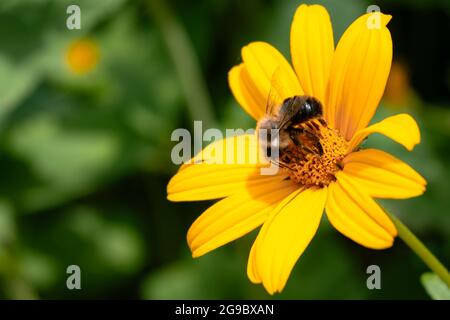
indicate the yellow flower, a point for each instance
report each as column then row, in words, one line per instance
column 349, row 81
column 82, row 56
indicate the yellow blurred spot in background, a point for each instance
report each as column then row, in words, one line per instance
column 82, row 56
column 398, row 91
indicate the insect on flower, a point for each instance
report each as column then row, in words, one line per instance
column 293, row 129
column 321, row 110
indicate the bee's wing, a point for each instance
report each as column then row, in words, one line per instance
column 274, row 99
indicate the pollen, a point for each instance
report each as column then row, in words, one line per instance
column 315, row 161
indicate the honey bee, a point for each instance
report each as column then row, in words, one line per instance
column 292, row 130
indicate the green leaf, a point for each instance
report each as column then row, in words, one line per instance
column 435, row 287
column 16, row 81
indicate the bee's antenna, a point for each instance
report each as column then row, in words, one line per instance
column 282, row 165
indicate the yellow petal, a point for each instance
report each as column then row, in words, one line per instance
column 222, row 168
column 312, row 48
column 238, row 149
column 252, row 272
column 381, row 175
column 284, row 237
column 268, row 70
column 246, row 93
column 235, row 216
column 401, row 128
column 206, row 181
column 359, row 72
column 357, row 216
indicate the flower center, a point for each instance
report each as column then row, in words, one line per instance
column 316, row 154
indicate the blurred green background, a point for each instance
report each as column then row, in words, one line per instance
column 85, row 156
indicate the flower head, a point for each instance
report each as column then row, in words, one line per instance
column 343, row 179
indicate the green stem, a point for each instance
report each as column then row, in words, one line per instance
column 185, row 62
column 419, row 248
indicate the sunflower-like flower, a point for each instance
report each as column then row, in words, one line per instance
column 349, row 81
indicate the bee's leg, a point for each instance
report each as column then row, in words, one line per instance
column 281, row 164
column 306, row 140
column 312, row 130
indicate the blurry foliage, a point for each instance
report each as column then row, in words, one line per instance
column 85, row 159
column 73, row 134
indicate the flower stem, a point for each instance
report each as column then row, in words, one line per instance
column 185, row 62
column 420, row 250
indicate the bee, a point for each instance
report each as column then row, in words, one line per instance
column 292, row 130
